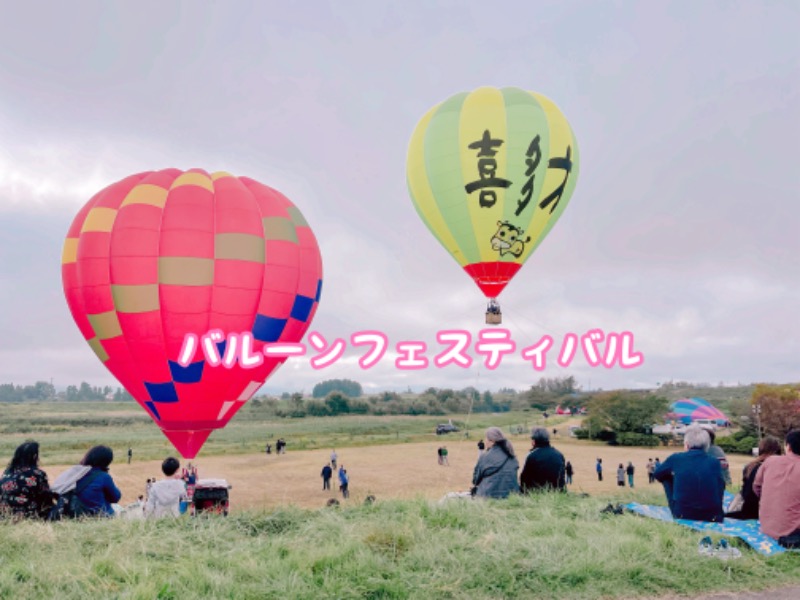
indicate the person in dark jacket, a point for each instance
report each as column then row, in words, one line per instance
column 693, row 480
column 327, row 473
column 769, row 446
column 545, row 468
column 495, row 475
column 568, row 470
column 24, row 490
column 96, row 490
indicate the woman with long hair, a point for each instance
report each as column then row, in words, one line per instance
column 96, row 489
column 24, row 489
column 495, row 475
column 769, row 446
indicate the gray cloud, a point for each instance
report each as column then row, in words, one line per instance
column 683, row 227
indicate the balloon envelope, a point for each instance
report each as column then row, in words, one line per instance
column 490, row 172
column 163, row 254
column 687, row 410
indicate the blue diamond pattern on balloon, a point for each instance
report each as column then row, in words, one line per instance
column 268, row 329
column 191, row 373
column 153, row 410
column 302, row 308
column 162, row 392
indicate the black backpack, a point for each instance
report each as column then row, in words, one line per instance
column 69, row 505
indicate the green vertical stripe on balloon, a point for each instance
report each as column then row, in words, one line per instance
column 442, row 165
column 526, row 120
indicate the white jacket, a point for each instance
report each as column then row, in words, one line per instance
column 165, row 498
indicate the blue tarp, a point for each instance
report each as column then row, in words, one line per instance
column 749, row 531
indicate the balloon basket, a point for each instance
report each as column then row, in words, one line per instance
column 493, row 314
column 494, row 318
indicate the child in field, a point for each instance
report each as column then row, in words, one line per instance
column 165, row 495
column 621, row 475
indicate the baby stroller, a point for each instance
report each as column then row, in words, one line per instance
column 210, row 496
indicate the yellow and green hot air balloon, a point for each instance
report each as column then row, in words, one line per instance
column 490, row 172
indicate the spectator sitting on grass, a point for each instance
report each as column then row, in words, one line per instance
column 777, row 483
column 544, row 467
column 166, row 494
column 495, row 475
column 693, row 480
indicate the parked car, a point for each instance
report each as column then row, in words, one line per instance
column 443, row 428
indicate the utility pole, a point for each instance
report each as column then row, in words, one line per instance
column 757, row 410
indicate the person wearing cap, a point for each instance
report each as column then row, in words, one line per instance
column 544, row 467
column 495, row 475
column 718, row 453
column 693, row 480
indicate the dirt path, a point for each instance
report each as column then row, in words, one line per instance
column 398, row 471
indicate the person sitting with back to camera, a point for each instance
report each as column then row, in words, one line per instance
column 495, row 475
column 769, row 446
column 166, row 494
column 96, row 490
column 544, row 467
column 777, row 483
column 24, row 490
column 692, row 480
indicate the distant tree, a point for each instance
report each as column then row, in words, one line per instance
column 779, row 408
column 337, row 403
column 549, row 391
column 297, row 406
column 624, row 411
column 122, row 395
column 348, row 387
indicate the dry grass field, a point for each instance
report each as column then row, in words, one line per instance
column 389, row 471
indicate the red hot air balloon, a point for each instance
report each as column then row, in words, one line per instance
column 163, row 254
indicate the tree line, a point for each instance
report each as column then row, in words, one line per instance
column 44, row 391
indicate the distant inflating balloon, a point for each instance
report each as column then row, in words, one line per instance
column 163, row 254
column 490, row 172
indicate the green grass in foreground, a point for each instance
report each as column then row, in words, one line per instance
column 549, row 546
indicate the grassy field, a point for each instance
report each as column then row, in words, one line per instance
column 548, row 546
column 279, row 541
column 66, row 429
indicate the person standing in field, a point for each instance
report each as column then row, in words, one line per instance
column 344, row 482
column 599, row 469
column 444, row 456
column 621, row 475
column 327, row 473
column 650, row 469
column 568, row 472
column 481, row 448
column 130, row 455
column 334, row 458
column 439, row 455
column 629, row 470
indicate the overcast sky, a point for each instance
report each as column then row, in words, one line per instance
column 683, row 228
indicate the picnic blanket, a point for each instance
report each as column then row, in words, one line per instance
column 749, row 531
